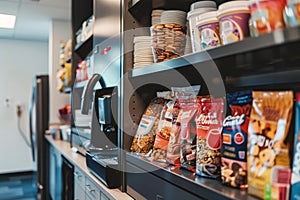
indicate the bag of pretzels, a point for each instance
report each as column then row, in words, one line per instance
column 144, row 139
column 268, row 160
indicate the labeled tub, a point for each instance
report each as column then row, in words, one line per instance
column 234, row 21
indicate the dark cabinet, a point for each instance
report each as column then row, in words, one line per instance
column 67, row 180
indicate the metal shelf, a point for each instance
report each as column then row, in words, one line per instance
column 272, row 52
column 84, row 48
column 140, row 9
column 200, row 186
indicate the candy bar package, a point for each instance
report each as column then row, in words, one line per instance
column 144, row 139
column 188, row 133
column 235, row 139
column 163, row 132
column 268, row 160
column 209, row 121
column 295, row 191
column 182, row 95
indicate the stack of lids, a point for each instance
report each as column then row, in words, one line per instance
column 142, row 51
column 173, row 17
column 155, row 16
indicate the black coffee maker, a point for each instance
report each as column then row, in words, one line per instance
column 102, row 155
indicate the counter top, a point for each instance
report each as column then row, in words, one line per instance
column 78, row 160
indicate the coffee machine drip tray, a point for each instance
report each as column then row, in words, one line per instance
column 105, row 166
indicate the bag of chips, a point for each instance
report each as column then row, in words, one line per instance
column 268, row 148
column 144, row 139
column 235, row 139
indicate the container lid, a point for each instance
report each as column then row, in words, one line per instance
column 199, row 11
column 206, row 17
column 233, row 6
column 201, row 4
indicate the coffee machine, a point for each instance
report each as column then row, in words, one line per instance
column 102, row 155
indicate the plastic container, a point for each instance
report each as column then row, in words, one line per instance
column 203, row 4
column 266, row 16
column 208, row 30
column 292, row 13
column 197, row 9
column 168, row 41
column 234, row 21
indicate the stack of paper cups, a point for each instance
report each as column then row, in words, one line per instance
column 142, row 51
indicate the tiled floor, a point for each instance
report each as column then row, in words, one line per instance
column 18, row 186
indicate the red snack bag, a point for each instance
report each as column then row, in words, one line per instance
column 173, row 150
column 209, row 122
column 188, row 135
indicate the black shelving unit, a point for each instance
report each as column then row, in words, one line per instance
column 199, row 187
column 268, row 62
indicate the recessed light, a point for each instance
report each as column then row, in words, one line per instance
column 7, row 21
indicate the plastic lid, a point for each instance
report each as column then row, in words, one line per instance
column 234, row 4
column 201, row 4
column 199, row 11
column 205, row 17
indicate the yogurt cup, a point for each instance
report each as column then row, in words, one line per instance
column 234, row 21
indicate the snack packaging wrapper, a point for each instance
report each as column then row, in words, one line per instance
column 295, row 191
column 268, row 162
column 182, row 94
column 163, row 132
column 235, row 139
column 209, row 121
column 188, row 133
column 144, row 139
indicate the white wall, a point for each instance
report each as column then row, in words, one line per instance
column 59, row 30
column 19, row 62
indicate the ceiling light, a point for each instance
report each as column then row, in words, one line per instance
column 7, row 21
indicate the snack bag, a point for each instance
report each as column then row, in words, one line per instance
column 144, row 139
column 173, row 149
column 268, row 151
column 235, row 139
column 182, row 94
column 163, row 132
column 295, row 192
column 209, row 121
column 188, row 133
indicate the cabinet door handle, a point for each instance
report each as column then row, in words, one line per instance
column 91, row 190
column 76, row 174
